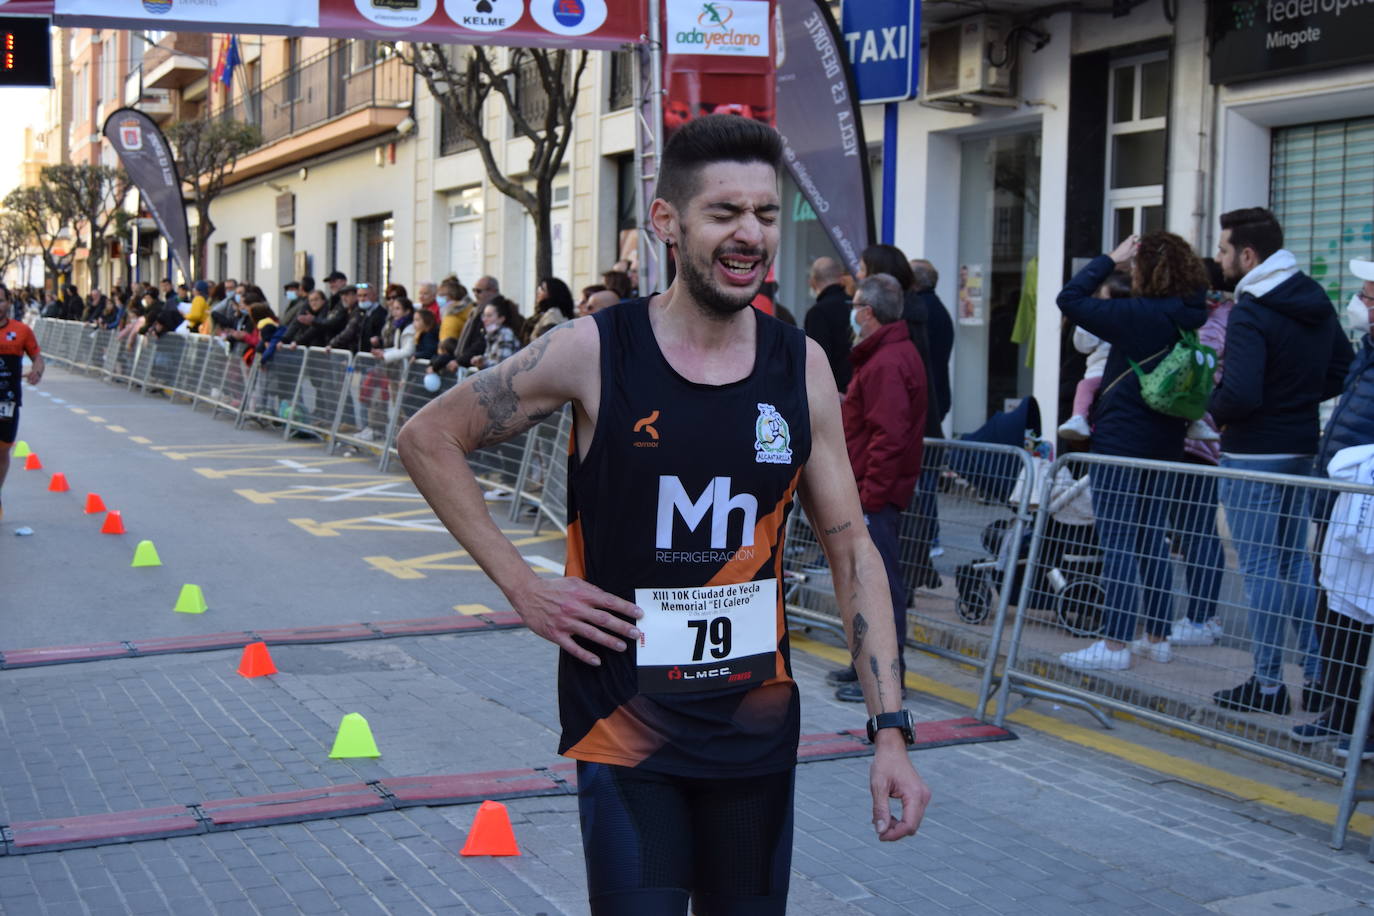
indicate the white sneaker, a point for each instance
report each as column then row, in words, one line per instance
column 367, row 435
column 1187, row 633
column 1160, row 652
column 497, row 496
column 1097, row 657
column 1075, row 428
column 1202, row 432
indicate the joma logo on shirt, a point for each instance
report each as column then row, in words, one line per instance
column 714, row 500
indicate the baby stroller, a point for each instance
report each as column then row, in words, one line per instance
column 1067, row 579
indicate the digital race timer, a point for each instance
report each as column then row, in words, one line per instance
column 25, row 51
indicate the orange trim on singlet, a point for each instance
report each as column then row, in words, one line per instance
column 576, row 563
column 765, row 540
column 618, row 739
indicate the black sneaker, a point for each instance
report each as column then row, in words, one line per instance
column 854, row 693
column 842, row 676
column 1247, row 697
column 1314, row 732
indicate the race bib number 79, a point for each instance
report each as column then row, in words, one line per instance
column 707, row 637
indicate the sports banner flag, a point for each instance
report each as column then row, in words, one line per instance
column 594, row 24
column 822, row 133
column 146, row 156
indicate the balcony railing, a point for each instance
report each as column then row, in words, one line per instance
column 320, row 89
column 451, row 139
column 622, row 81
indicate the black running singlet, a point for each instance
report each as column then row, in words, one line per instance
column 680, row 506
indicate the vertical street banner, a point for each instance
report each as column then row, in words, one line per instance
column 822, row 133
column 146, row 156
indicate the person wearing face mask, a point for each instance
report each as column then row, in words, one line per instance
column 1344, row 638
column 294, row 302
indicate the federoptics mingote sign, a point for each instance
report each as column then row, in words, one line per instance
column 1253, row 39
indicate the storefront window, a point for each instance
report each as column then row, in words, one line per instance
column 999, row 219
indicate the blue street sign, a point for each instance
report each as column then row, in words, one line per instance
column 883, row 38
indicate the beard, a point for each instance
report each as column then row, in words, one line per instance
column 715, row 302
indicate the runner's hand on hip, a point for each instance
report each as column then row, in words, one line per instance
column 561, row 609
column 893, row 776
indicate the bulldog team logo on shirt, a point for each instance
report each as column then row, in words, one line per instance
column 772, row 437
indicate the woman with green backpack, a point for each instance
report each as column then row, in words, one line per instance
column 1131, row 505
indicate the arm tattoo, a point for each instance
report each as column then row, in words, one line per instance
column 856, row 642
column 877, row 679
column 838, row 528
column 495, row 390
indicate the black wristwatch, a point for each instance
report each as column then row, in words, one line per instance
column 902, row 719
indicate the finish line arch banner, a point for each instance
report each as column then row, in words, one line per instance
column 592, row 24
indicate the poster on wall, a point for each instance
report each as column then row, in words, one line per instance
column 971, row 294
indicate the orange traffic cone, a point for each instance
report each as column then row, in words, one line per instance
column 94, row 503
column 59, row 483
column 114, row 523
column 256, row 661
column 32, row 463
column 491, row 833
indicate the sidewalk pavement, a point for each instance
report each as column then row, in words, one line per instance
column 1036, row 825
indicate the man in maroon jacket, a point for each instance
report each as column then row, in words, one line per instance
column 884, row 413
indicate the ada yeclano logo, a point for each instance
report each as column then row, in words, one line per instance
column 772, row 437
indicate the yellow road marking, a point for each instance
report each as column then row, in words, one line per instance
column 415, row 567
column 369, row 489
column 116, row 429
column 78, row 410
column 141, row 440
column 232, row 450
column 1159, row 761
column 472, row 609
column 333, row 529
column 97, row 419
column 277, row 470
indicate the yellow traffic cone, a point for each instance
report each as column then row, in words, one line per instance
column 21, row 449
column 145, row 554
column 354, row 739
column 190, row 601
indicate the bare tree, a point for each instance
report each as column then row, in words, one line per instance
column 206, row 151
column 14, row 240
column 462, row 80
column 44, row 217
column 94, row 193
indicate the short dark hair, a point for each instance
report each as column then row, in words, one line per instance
column 335, row 275
column 1254, row 227
column 292, row 285
column 706, row 141
column 888, row 259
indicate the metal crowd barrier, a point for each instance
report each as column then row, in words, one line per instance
column 345, row 400
column 1222, row 561
column 960, row 539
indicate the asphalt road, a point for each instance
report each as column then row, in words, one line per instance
column 276, row 534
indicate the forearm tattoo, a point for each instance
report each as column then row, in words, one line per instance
column 495, row 391
column 856, row 640
column 838, row 528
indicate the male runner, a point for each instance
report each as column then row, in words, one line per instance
column 696, row 420
column 16, row 342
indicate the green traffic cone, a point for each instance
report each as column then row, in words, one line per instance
column 190, row 601
column 145, row 554
column 354, row 739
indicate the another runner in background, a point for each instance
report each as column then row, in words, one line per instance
column 16, row 342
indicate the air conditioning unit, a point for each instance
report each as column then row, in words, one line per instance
column 955, row 59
